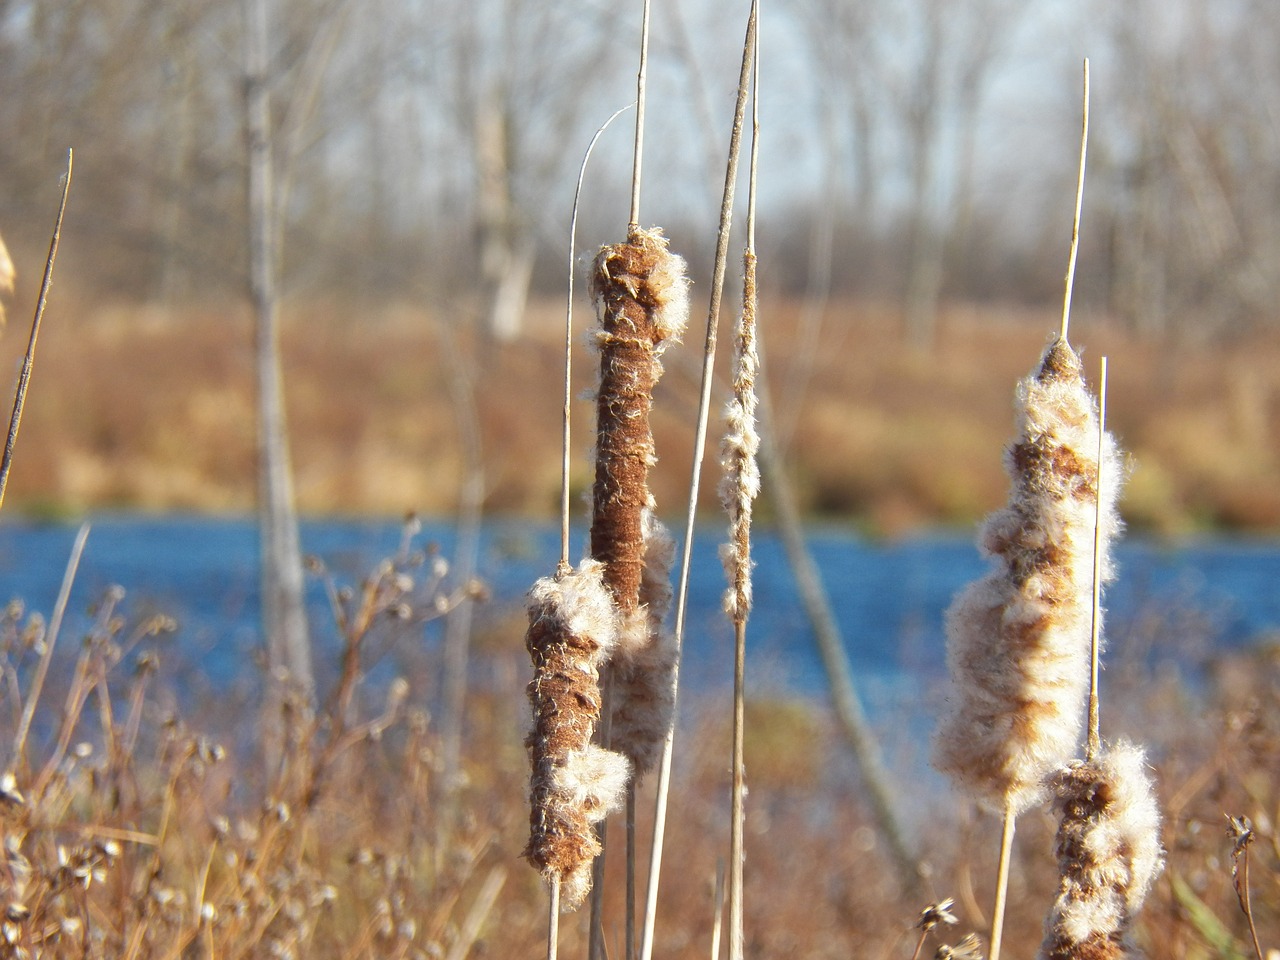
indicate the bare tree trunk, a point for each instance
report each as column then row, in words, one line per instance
column 284, row 620
column 506, row 252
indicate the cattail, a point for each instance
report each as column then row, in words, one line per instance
column 643, row 298
column 1018, row 639
column 740, row 481
column 575, row 783
column 1108, row 855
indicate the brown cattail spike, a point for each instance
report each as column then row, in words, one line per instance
column 643, row 300
column 644, row 303
column 572, row 629
column 1108, row 855
column 1018, row 639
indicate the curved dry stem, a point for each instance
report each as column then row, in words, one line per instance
column 568, row 346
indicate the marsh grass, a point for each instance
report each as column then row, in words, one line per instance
column 178, row 787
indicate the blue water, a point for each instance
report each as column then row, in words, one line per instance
column 1204, row 595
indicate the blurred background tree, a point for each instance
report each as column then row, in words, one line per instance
column 431, row 149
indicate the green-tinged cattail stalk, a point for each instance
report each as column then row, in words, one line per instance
column 1018, row 640
column 575, row 783
column 643, row 298
column 1108, row 855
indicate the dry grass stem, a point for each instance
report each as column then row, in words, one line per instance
column 28, row 361
column 699, row 449
column 575, row 783
column 1094, row 742
column 638, row 149
column 1108, row 855
column 1241, row 832
column 1075, row 221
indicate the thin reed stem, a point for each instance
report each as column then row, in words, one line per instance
column 717, row 921
column 1094, row 743
column 738, row 497
column 1002, row 881
column 699, row 449
column 1075, row 222
column 29, row 359
column 736, row 842
column 566, row 441
column 630, row 951
column 51, row 637
column 553, row 920
column 638, row 157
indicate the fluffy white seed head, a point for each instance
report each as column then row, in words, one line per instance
column 1018, row 639
column 1108, row 855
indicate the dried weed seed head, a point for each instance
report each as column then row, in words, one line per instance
column 574, row 784
column 1018, row 639
column 643, row 299
column 1108, row 855
column 644, row 660
column 740, row 477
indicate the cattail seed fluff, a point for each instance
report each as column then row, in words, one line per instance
column 1108, row 855
column 740, row 476
column 575, row 783
column 644, row 659
column 1018, row 639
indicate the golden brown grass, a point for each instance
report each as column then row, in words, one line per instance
column 878, row 434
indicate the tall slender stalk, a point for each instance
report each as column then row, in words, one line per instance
column 739, row 487
column 50, row 639
column 1094, row 743
column 699, row 449
column 1075, row 221
column 29, row 359
column 1002, row 879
